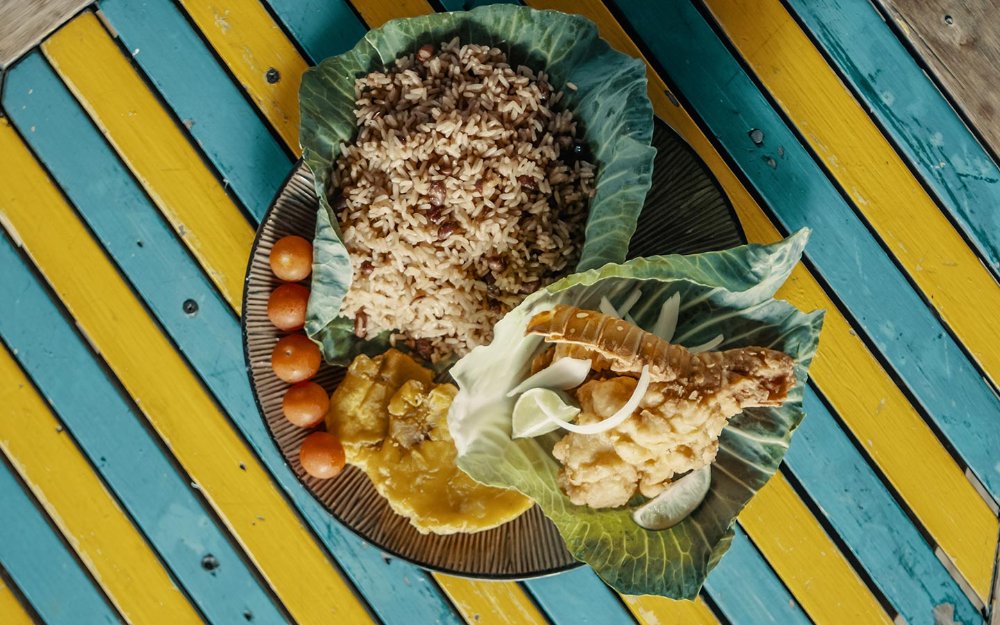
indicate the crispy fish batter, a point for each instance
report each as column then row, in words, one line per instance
column 392, row 421
column 677, row 425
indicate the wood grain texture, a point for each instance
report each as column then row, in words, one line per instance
column 378, row 12
column 214, row 111
column 161, row 157
column 911, row 110
column 739, row 599
column 61, row 592
column 248, row 40
column 650, row 610
column 98, row 184
column 879, row 183
column 490, row 603
column 837, row 595
column 322, row 28
column 126, row 454
column 870, row 286
column 960, row 43
column 89, row 518
column 264, row 62
column 145, row 362
column 24, row 23
column 876, row 179
column 11, row 610
column 899, row 562
column 854, row 382
column 292, row 19
column 578, row 597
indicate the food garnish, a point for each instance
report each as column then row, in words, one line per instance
column 624, row 497
column 676, row 502
column 295, row 358
column 540, row 411
column 392, row 420
column 565, row 374
column 305, row 404
column 616, row 449
column 286, row 307
column 291, row 258
column 322, row 455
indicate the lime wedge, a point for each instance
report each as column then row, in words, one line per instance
column 539, row 411
column 675, row 503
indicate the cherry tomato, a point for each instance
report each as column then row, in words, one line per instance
column 322, row 455
column 305, row 404
column 295, row 358
column 286, row 308
column 291, row 258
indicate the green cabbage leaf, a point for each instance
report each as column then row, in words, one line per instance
column 610, row 101
column 729, row 293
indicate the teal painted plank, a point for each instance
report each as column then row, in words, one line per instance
column 872, row 288
column 552, row 593
column 560, row 595
column 733, row 586
column 579, row 597
column 869, row 521
column 35, row 556
column 907, row 104
column 218, row 116
column 322, row 28
column 746, row 590
column 100, row 186
column 178, row 525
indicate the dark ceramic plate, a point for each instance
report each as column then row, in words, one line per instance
column 685, row 212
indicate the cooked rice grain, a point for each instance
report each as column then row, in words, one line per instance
column 465, row 190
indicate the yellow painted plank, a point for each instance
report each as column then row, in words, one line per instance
column 864, row 395
column 378, row 12
column 650, row 610
column 155, row 149
column 63, row 481
column 828, row 589
column 172, row 398
column 11, row 610
column 867, row 166
column 857, row 386
column 490, row 603
column 247, row 37
column 249, row 41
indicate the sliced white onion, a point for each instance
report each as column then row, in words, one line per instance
column 606, row 308
column 666, row 323
column 709, row 345
column 614, row 420
column 629, row 302
column 563, row 374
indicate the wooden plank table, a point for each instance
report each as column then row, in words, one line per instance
column 142, row 140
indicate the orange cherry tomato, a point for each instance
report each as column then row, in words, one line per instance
column 286, row 307
column 291, row 258
column 305, row 404
column 295, row 358
column 322, row 455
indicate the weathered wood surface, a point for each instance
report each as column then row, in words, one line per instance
column 959, row 41
column 24, row 23
column 869, row 491
column 912, row 112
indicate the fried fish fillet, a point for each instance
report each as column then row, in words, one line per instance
column 677, row 425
